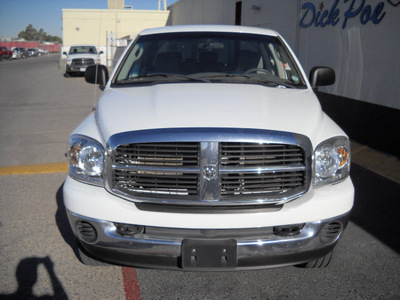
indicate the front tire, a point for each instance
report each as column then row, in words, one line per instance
column 318, row 263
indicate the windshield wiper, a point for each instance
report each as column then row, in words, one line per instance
column 250, row 78
column 170, row 77
column 205, row 77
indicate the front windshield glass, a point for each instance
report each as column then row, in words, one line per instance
column 82, row 49
column 211, row 57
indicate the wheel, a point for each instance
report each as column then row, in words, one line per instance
column 318, row 263
column 254, row 70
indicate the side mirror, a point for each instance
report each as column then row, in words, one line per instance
column 97, row 74
column 320, row 76
column 65, row 53
column 101, row 52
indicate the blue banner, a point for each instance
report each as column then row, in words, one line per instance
column 331, row 16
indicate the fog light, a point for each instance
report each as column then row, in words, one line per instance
column 288, row 230
column 128, row 229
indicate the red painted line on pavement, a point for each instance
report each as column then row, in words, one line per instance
column 131, row 284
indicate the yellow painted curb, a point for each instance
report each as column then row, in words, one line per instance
column 34, row 169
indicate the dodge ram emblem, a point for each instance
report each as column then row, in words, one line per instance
column 209, row 172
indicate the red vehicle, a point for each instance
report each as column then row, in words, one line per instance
column 5, row 53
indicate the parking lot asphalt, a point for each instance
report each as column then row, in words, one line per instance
column 380, row 163
column 38, row 254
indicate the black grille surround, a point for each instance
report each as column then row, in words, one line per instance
column 224, row 167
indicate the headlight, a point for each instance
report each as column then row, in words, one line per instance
column 68, row 62
column 332, row 161
column 86, row 159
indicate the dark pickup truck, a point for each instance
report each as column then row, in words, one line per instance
column 5, row 53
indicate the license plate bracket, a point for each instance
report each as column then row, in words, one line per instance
column 209, row 254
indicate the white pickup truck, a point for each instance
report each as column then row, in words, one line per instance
column 208, row 150
column 79, row 57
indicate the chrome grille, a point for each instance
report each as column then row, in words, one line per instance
column 249, row 184
column 158, row 154
column 253, row 182
column 139, row 182
column 220, row 171
column 250, row 154
column 151, row 174
column 82, row 61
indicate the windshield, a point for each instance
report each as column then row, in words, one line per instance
column 211, row 57
column 82, row 49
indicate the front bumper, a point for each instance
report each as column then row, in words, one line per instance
column 210, row 249
column 76, row 68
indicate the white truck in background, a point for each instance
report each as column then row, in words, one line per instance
column 79, row 57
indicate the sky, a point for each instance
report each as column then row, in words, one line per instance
column 16, row 15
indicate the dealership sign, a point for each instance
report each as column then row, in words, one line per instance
column 321, row 17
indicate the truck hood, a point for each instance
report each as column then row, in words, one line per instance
column 189, row 105
column 82, row 55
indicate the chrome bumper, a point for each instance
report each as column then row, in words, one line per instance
column 71, row 68
column 254, row 248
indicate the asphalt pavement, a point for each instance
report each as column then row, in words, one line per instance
column 39, row 107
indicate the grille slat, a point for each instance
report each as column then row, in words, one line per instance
column 260, row 161
column 260, row 153
column 151, row 175
column 260, row 186
column 251, row 171
column 268, row 176
column 159, row 161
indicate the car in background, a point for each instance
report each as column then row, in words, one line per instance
column 33, row 52
column 24, row 53
column 79, row 57
column 5, row 53
column 15, row 54
column 42, row 51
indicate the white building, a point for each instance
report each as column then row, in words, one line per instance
column 108, row 29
